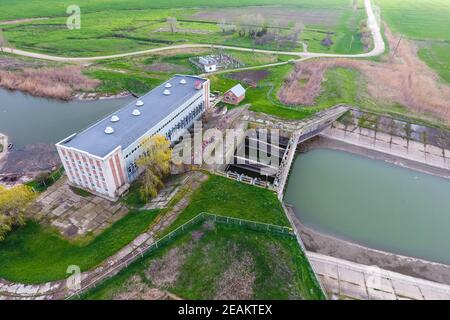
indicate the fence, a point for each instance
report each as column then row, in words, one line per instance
column 168, row 238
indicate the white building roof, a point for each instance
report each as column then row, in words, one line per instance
column 238, row 90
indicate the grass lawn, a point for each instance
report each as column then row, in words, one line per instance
column 427, row 21
column 437, row 56
column 36, row 254
column 276, row 269
column 341, row 86
column 222, row 196
column 109, row 26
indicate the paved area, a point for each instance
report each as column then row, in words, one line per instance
column 343, row 279
column 390, row 144
column 111, row 266
column 74, row 215
column 166, row 194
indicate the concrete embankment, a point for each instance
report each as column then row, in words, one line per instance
column 424, row 152
column 3, row 145
column 367, row 143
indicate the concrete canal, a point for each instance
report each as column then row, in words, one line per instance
column 372, row 203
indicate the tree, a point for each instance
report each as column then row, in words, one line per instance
column 222, row 24
column 43, row 178
column 297, row 31
column 3, row 41
column 155, row 165
column 173, row 23
column 13, row 202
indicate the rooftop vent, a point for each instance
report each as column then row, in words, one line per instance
column 115, row 118
column 136, row 112
column 109, row 130
column 168, row 85
column 183, row 81
column 198, row 85
column 139, row 103
column 166, row 92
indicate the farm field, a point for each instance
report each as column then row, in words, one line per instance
column 216, row 261
column 428, row 23
column 107, row 28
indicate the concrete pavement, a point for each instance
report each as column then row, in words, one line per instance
column 343, row 279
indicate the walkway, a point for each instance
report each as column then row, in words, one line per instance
column 111, row 266
column 372, row 23
column 343, row 279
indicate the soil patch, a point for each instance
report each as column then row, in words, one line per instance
column 136, row 289
column 166, row 67
column 30, row 159
column 250, row 77
column 164, row 272
column 237, row 281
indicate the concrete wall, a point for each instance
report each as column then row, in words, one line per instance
column 390, row 144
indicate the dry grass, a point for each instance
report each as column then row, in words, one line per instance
column 164, row 272
column 238, row 280
column 403, row 79
column 136, row 289
column 58, row 83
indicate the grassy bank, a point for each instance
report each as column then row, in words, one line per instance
column 227, row 197
column 36, row 254
column 219, row 261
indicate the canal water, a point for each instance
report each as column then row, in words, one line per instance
column 372, row 203
column 28, row 120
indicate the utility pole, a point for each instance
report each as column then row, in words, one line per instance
column 396, row 47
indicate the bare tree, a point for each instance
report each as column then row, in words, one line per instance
column 297, row 30
column 222, row 24
column 173, row 23
column 3, row 41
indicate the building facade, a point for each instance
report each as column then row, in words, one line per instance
column 235, row 95
column 102, row 158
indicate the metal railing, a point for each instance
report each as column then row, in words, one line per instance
column 169, row 237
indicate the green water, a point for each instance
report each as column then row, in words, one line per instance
column 28, row 120
column 372, row 203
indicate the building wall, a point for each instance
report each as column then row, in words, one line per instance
column 231, row 98
column 172, row 127
column 112, row 174
column 103, row 176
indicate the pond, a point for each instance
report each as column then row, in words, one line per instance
column 28, row 120
column 372, row 203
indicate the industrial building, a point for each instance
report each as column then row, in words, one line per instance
column 102, row 158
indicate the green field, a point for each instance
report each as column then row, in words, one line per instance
column 426, row 21
column 36, row 254
column 341, row 86
column 222, row 196
column 109, row 26
column 276, row 268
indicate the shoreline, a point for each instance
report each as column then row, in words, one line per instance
column 326, row 142
column 330, row 245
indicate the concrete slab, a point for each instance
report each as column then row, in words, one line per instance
column 406, row 289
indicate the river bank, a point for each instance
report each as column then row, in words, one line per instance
column 335, row 247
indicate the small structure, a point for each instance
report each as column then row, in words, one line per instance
column 208, row 63
column 235, row 95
